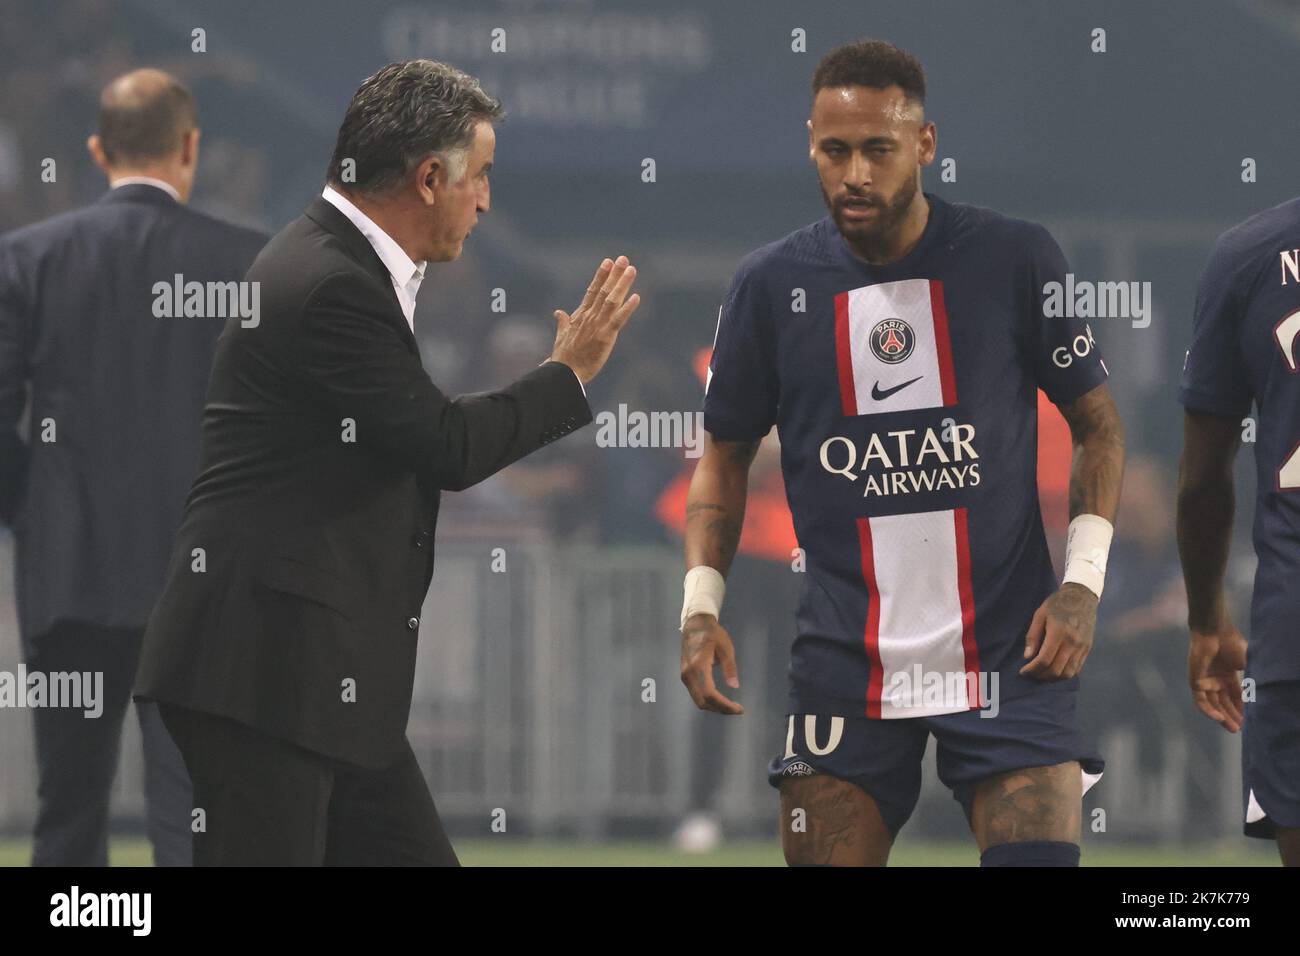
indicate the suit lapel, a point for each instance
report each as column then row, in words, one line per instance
column 328, row 217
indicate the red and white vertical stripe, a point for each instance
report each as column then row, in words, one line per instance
column 920, row 627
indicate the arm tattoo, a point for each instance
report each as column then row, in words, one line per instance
column 719, row 503
column 721, row 532
column 1097, row 469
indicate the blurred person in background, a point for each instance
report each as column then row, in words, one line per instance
column 549, row 493
column 1147, row 600
column 1132, row 690
column 634, row 478
column 1055, row 452
column 95, row 489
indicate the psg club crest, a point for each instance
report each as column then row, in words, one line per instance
column 892, row 340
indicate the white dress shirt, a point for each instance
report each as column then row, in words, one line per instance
column 406, row 275
column 168, row 188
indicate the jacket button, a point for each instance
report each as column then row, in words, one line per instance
column 412, row 622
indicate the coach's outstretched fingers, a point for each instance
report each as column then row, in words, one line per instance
column 584, row 340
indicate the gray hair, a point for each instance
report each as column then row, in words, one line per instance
column 402, row 115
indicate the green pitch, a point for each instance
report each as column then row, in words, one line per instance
column 504, row 851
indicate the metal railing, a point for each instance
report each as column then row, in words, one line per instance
column 548, row 689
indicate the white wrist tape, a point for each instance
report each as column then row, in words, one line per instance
column 1087, row 544
column 704, row 588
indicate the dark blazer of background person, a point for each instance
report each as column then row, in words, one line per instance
column 303, row 560
column 117, row 392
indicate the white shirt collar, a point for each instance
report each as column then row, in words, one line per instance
column 406, row 273
column 168, row 188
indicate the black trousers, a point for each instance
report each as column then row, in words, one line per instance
column 267, row 802
column 77, row 755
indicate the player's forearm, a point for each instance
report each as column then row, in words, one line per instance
column 1204, row 521
column 1206, row 498
column 1097, row 467
column 715, row 504
column 1096, row 474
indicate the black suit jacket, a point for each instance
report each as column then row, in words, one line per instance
column 95, row 511
column 294, row 593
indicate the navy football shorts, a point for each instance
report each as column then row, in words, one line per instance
column 883, row 756
column 1270, row 759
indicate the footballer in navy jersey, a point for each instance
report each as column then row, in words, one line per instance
column 907, row 417
column 1246, row 349
column 898, row 345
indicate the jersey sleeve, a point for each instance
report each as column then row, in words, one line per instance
column 1215, row 378
column 1066, row 360
column 740, row 389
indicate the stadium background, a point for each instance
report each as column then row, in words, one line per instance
column 530, row 692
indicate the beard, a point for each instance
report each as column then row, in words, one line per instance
column 870, row 239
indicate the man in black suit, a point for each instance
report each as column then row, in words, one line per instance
column 283, row 649
column 95, row 491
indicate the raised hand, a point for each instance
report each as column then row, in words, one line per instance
column 584, row 340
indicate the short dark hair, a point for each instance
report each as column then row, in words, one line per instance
column 873, row 63
column 143, row 116
column 401, row 115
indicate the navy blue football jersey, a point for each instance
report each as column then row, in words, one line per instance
column 905, row 398
column 1245, row 348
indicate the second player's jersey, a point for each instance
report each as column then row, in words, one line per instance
column 906, row 403
column 1246, row 347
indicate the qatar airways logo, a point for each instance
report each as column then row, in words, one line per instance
column 906, row 460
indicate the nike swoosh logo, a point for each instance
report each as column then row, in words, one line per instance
column 880, row 396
